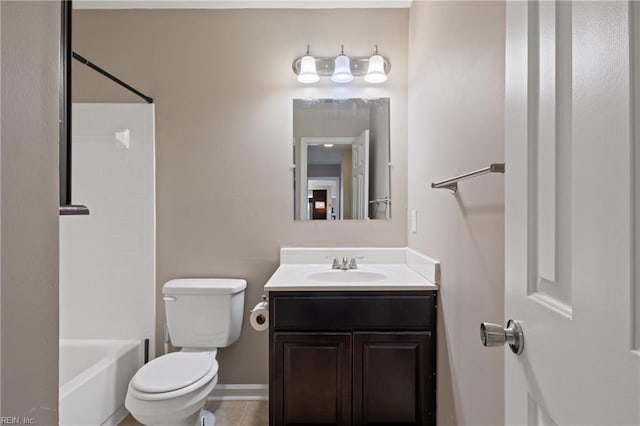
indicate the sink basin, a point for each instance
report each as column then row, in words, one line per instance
column 351, row 276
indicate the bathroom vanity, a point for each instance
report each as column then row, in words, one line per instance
column 355, row 349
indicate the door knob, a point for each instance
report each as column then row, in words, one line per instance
column 495, row 335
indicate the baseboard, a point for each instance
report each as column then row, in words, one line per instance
column 116, row 417
column 257, row 392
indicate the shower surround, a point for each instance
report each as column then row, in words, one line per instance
column 107, row 259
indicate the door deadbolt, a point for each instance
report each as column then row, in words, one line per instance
column 493, row 335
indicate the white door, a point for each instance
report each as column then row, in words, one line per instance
column 571, row 214
column 360, row 176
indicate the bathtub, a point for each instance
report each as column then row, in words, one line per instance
column 94, row 375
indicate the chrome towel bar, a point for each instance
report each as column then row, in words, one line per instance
column 452, row 184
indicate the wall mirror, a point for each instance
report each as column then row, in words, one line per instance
column 341, row 156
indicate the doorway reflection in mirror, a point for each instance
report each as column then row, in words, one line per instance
column 341, row 153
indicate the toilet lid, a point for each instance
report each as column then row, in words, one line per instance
column 174, row 371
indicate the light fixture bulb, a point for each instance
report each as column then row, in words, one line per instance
column 375, row 73
column 342, row 70
column 308, row 72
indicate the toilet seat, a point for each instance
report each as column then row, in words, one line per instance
column 174, row 375
column 173, row 371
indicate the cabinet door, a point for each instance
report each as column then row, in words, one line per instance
column 393, row 378
column 312, row 379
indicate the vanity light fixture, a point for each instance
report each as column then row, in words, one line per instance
column 342, row 68
column 328, row 145
column 308, row 72
column 375, row 73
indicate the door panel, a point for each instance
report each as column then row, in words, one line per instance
column 360, row 176
column 569, row 216
column 549, row 143
column 319, row 211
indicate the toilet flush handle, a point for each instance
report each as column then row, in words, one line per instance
column 169, row 299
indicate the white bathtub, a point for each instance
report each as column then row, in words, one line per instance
column 94, row 375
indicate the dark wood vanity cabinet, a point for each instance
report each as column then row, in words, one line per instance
column 352, row 358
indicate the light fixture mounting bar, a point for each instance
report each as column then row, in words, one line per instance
column 325, row 65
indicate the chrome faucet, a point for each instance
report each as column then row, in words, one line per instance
column 345, row 265
column 353, row 264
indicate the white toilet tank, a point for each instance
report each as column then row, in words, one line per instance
column 204, row 312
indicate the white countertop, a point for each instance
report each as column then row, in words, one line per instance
column 296, row 277
column 397, row 276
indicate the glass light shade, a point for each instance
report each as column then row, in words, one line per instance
column 308, row 72
column 342, row 70
column 375, row 73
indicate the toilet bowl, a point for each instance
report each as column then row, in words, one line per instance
column 172, row 389
column 202, row 315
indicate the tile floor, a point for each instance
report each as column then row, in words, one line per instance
column 230, row 413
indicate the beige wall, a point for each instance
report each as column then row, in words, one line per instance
column 223, row 86
column 456, row 95
column 1, row 60
column 29, row 210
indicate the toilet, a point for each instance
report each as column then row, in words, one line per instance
column 203, row 314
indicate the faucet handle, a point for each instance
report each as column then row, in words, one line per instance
column 353, row 264
column 335, row 264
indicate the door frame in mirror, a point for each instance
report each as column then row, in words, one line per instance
column 305, row 142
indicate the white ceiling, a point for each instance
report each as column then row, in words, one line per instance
column 239, row 4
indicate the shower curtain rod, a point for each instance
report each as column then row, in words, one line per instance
column 110, row 76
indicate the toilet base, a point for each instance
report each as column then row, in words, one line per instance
column 207, row 418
